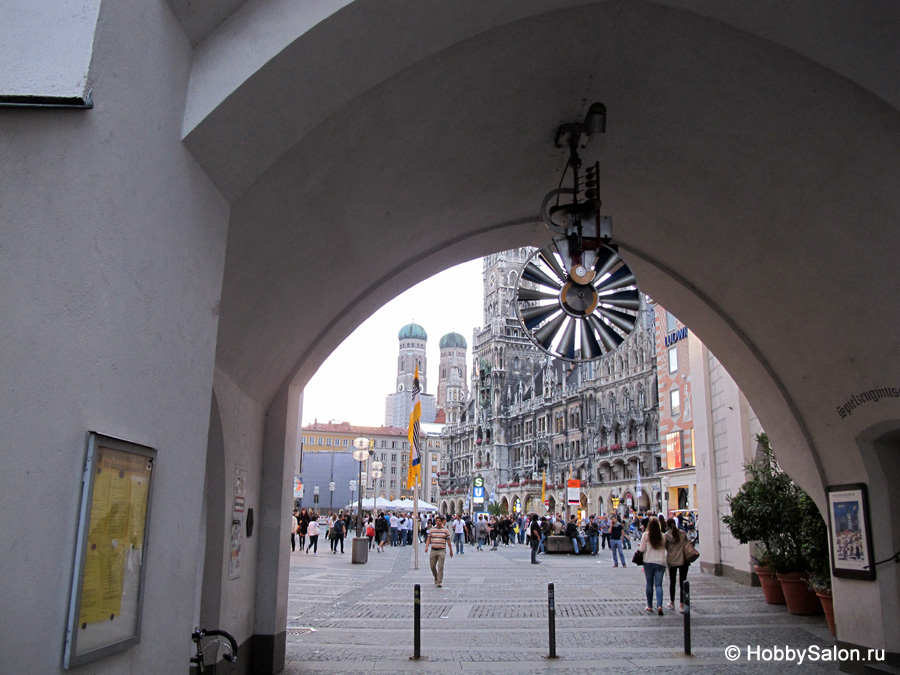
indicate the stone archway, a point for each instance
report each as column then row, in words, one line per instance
column 221, row 242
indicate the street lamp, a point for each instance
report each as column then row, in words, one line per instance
column 375, row 473
column 360, row 550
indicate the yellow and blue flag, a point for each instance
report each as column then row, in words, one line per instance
column 415, row 451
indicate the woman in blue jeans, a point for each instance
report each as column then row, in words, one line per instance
column 653, row 546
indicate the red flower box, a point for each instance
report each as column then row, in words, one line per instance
column 631, row 444
column 617, row 446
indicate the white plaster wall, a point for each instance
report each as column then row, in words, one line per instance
column 46, row 47
column 724, row 428
column 243, row 426
column 111, row 257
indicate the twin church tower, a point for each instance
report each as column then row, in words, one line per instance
column 452, row 391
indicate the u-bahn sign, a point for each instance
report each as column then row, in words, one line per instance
column 478, row 490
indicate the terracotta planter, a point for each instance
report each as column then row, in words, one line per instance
column 770, row 585
column 827, row 607
column 801, row 600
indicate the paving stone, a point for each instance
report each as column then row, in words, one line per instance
column 492, row 616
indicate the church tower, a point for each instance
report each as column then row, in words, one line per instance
column 452, row 391
column 412, row 342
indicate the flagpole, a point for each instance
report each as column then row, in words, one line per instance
column 415, row 458
column 416, row 522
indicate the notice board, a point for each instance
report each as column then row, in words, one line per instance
column 108, row 579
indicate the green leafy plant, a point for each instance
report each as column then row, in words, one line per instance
column 769, row 509
column 494, row 509
column 814, row 546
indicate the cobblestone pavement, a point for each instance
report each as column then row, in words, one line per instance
column 491, row 616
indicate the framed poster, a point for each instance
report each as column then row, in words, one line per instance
column 850, row 532
column 113, row 530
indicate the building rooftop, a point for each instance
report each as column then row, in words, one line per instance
column 347, row 428
column 412, row 331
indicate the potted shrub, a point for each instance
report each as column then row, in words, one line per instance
column 766, row 574
column 756, row 511
column 787, row 554
column 815, row 549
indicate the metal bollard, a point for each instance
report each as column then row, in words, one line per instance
column 687, row 617
column 551, row 611
column 417, row 622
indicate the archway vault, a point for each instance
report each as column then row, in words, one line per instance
column 751, row 179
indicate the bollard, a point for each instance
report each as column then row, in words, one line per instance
column 551, row 611
column 417, row 623
column 687, row 617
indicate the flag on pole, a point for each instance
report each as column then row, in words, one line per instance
column 639, row 486
column 544, row 488
column 415, row 453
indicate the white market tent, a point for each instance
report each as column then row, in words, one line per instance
column 368, row 505
column 407, row 505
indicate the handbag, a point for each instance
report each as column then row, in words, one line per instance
column 691, row 554
column 638, row 558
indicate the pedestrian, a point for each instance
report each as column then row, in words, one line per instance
column 410, row 527
column 675, row 541
column 574, row 535
column 385, row 529
column 313, row 532
column 303, row 528
column 459, row 530
column 395, row 530
column 546, row 529
column 370, row 532
column 379, row 532
column 295, row 529
column 480, row 532
column 534, row 534
column 593, row 534
column 626, row 537
column 604, row 531
column 616, row 530
column 337, row 534
column 653, row 546
column 439, row 541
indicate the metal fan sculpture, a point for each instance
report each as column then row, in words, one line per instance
column 576, row 298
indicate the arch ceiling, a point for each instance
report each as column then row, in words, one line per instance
column 749, row 166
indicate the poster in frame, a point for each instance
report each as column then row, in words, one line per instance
column 850, row 532
column 106, row 601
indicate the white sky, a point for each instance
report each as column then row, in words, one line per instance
column 352, row 384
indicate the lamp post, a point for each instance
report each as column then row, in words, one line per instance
column 362, row 451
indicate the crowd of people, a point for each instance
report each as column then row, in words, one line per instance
column 663, row 542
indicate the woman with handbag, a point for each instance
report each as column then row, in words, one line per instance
column 313, row 531
column 678, row 565
column 653, row 547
